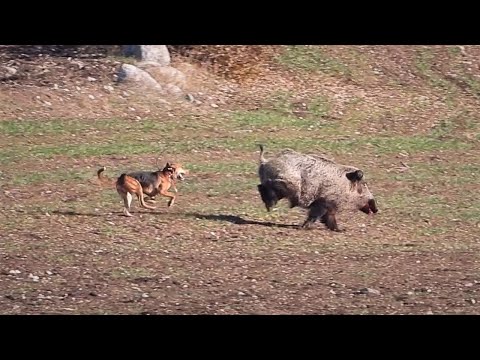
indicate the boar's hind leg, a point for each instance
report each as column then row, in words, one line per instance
column 268, row 195
column 316, row 211
column 284, row 190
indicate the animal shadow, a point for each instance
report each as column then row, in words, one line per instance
column 74, row 213
column 238, row 220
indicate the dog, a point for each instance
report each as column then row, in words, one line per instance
column 149, row 183
column 179, row 174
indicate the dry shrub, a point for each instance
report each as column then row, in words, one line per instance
column 240, row 63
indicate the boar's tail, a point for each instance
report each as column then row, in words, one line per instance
column 262, row 158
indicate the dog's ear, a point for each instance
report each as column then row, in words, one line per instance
column 168, row 165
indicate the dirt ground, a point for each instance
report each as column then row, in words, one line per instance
column 407, row 116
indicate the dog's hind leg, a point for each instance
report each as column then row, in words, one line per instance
column 127, row 202
column 139, row 193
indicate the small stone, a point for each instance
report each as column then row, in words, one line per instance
column 145, row 295
column 34, row 278
column 190, row 97
column 48, row 272
column 370, row 291
column 214, row 105
column 91, row 97
column 91, row 79
column 241, row 293
column 14, row 272
column 469, row 284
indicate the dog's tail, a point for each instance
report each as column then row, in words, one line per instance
column 100, row 173
column 262, row 158
column 102, row 178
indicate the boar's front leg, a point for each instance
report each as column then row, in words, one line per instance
column 325, row 211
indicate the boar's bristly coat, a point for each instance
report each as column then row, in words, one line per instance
column 315, row 183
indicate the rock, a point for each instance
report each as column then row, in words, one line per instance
column 34, row 278
column 155, row 53
column 7, row 73
column 368, row 291
column 190, row 97
column 131, row 73
column 14, row 272
column 173, row 90
column 91, row 79
column 164, row 74
column 401, row 297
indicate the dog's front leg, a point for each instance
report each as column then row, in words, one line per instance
column 170, row 195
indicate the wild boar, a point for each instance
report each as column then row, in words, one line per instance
column 315, row 183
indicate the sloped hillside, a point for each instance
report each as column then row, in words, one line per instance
column 406, row 115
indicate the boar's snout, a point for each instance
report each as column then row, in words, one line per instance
column 370, row 207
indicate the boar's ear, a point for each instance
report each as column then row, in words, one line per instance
column 356, row 175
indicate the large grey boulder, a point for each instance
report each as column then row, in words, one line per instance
column 131, row 73
column 164, row 74
column 150, row 53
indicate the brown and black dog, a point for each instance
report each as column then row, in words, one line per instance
column 150, row 183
